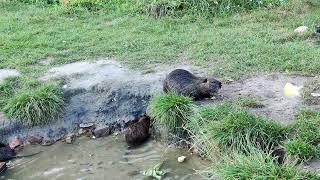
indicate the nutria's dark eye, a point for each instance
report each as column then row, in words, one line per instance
column 205, row 80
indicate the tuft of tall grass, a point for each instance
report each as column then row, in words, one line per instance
column 301, row 149
column 35, row 107
column 231, row 127
column 91, row 5
column 7, row 89
column 258, row 164
column 171, row 110
column 204, row 7
column 305, row 138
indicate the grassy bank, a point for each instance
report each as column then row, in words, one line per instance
column 241, row 145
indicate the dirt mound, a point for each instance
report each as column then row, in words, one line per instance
column 268, row 89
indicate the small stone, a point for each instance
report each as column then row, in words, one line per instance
column 181, row 159
column 86, row 125
column 33, row 139
column 70, row 138
column 115, row 134
column 101, row 131
column 301, row 29
column 81, row 132
column 48, row 142
column 15, row 142
column 100, row 162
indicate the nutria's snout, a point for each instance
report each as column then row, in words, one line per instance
column 216, row 85
column 220, row 84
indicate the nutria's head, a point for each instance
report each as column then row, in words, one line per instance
column 210, row 86
column 145, row 120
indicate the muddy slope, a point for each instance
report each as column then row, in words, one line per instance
column 105, row 92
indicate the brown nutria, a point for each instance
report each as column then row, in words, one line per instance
column 6, row 153
column 185, row 83
column 138, row 132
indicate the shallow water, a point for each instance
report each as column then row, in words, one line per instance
column 104, row 158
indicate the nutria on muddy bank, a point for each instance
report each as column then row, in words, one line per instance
column 185, row 83
column 138, row 132
column 6, row 153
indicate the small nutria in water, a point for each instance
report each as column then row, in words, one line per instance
column 138, row 132
column 6, row 153
column 185, row 83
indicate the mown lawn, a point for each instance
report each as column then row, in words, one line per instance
column 262, row 40
column 226, row 46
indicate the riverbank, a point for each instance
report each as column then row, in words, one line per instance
column 106, row 64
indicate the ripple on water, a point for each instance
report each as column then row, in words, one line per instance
column 105, row 158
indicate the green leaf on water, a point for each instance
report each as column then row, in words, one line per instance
column 155, row 172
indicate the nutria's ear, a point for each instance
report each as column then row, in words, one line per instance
column 205, row 80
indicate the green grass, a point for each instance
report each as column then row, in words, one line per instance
column 259, row 165
column 170, row 110
column 8, row 88
column 252, row 42
column 34, row 107
column 227, row 127
column 301, row 149
column 241, row 145
column 248, row 102
column 305, row 141
column 207, row 8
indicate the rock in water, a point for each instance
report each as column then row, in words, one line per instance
column 32, row 139
column 70, row 138
column 138, row 132
column 181, row 159
column 185, row 83
column 101, row 131
column 16, row 142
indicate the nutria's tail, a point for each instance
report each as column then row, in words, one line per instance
column 28, row 155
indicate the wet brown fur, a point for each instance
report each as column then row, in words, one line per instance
column 185, row 83
column 138, row 132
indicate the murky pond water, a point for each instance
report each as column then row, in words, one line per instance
column 104, row 158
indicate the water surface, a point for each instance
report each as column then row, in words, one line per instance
column 103, row 158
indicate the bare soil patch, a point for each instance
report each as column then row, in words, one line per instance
column 268, row 88
column 5, row 73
